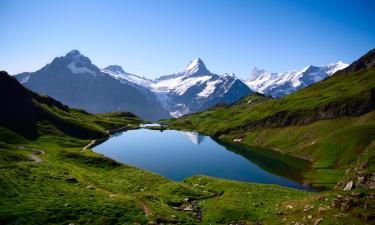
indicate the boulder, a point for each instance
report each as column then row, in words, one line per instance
column 348, row 186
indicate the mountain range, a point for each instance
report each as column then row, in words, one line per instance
column 74, row 80
column 193, row 89
column 281, row 84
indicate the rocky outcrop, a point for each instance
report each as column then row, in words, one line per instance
column 365, row 62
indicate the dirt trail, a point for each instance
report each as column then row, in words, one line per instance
column 146, row 209
column 109, row 132
column 92, row 142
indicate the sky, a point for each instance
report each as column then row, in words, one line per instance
column 159, row 37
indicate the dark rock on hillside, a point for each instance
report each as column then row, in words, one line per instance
column 365, row 62
column 21, row 110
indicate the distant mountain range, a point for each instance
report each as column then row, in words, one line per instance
column 193, row 89
column 281, row 84
column 196, row 89
column 75, row 81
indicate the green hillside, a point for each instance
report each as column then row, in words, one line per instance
column 330, row 123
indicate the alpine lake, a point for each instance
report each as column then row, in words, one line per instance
column 178, row 155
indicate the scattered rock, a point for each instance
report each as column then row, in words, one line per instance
column 90, row 187
column 38, row 152
column 339, row 215
column 371, row 196
column 72, row 180
column 237, row 140
column 289, row 207
column 364, row 166
column 308, row 208
column 348, row 186
column 188, row 208
column 318, row 221
column 360, row 181
column 347, row 202
column 309, row 217
column 321, row 209
column 35, row 158
column 370, row 181
column 199, row 214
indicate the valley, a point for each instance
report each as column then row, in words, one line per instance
column 189, row 112
column 49, row 163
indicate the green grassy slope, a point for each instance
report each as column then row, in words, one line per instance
column 51, row 179
column 329, row 123
column 71, row 186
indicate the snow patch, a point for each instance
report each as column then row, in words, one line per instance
column 80, row 70
column 179, row 85
column 132, row 78
column 24, row 79
column 209, row 89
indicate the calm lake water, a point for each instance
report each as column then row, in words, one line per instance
column 178, row 155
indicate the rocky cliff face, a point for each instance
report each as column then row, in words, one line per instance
column 365, row 62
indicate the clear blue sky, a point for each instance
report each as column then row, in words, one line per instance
column 158, row 37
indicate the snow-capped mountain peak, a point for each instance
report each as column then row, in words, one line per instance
column 73, row 54
column 281, row 84
column 196, row 88
column 79, row 63
column 195, row 67
column 232, row 75
column 334, row 67
column 119, row 73
column 77, row 82
column 115, row 69
column 76, row 57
